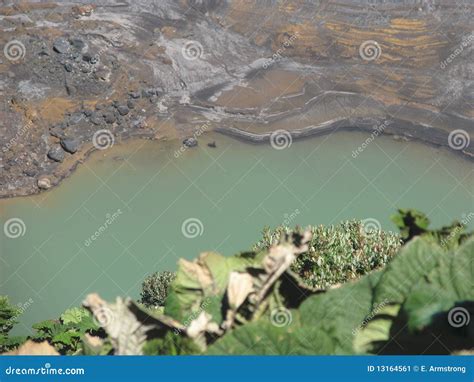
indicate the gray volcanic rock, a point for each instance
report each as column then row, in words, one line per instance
column 315, row 67
column 109, row 117
column 123, row 110
column 61, row 45
column 56, row 153
column 70, row 145
column 190, row 142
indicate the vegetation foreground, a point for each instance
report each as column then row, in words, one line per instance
column 323, row 290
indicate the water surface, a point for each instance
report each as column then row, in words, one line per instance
column 146, row 193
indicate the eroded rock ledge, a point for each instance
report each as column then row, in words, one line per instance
column 165, row 69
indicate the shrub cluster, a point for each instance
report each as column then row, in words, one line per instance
column 338, row 253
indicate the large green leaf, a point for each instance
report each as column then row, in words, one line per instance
column 416, row 260
column 201, row 285
column 74, row 315
column 340, row 310
column 419, row 310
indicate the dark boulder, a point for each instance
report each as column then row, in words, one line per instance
column 123, row 110
column 109, row 117
column 190, row 142
column 56, row 153
column 70, row 145
column 61, row 45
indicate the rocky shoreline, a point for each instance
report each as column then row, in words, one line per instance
column 75, row 78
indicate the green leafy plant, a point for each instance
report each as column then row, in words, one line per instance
column 346, row 247
column 259, row 302
column 413, row 223
column 66, row 334
column 155, row 289
column 8, row 318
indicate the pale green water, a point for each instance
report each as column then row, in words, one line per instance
column 234, row 190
